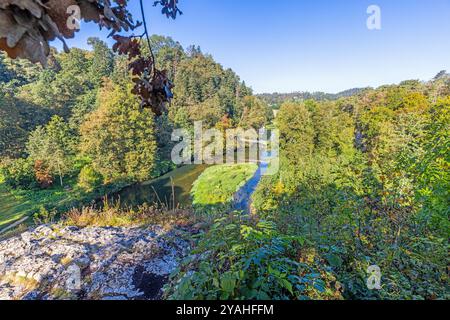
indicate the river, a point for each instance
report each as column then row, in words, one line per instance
column 173, row 189
column 243, row 197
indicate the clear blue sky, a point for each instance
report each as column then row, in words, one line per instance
column 310, row 45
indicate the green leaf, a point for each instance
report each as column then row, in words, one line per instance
column 228, row 283
column 334, row 260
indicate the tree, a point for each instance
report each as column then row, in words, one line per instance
column 16, row 73
column 256, row 114
column 206, row 91
column 119, row 136
column 168, row 53
column 59, row 20
column 53, row 147
column 60, row 90
column 296, row 131
column 102, row 61
column 440, row 75
column 17, row 120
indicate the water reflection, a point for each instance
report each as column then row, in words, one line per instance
column 172, row 189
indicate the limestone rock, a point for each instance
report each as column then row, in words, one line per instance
column 56, row 262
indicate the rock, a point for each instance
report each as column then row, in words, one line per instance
column 110, row 263
column 26, row 237
column 32, row 295
column 43, row 230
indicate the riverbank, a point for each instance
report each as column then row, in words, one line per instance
column 171, row 190
column 213, row 188
column 18, row 204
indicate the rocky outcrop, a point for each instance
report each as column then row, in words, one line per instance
column 55, row 262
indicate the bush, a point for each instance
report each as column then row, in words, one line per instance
column 42, row 174
column 89, row 179
column 44, row 216
column 112, row 215
column 19, row 173
column 251, row 260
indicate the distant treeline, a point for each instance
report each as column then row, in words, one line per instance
column 276, row 99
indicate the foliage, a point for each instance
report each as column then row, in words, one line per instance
column 89, row 179
column 44, row 216
column 19, row 203
column 238, row 259
column 17, row 119
column 256, row 114
column 275, row 100
column 364, row 179
column 204, row 91
column 53, row 147
column 42, row 174
column 119, row 136
column 71, row 91
column 18, row 173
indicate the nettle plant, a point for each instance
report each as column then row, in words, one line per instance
column 28, row 26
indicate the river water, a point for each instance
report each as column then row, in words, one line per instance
column 172, row 189
column 242, row 198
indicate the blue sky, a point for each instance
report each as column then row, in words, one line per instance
column 310, row 45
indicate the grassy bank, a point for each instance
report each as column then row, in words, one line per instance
column 16, row 204
column 214, row 189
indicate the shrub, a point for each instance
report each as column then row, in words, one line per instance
column 42, row 174
column 89, row 179
column 18, row 173
column 44, row 216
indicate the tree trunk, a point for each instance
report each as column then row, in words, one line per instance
column 60, row 175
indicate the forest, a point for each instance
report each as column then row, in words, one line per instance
column 359, row 209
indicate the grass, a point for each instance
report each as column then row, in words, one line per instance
column 115, row 216
column 16, row 204
column 214, row 190
column 11, row 208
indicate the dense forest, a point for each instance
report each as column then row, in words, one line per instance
column 56, row 123
column 363, row 179
column 275, row 100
